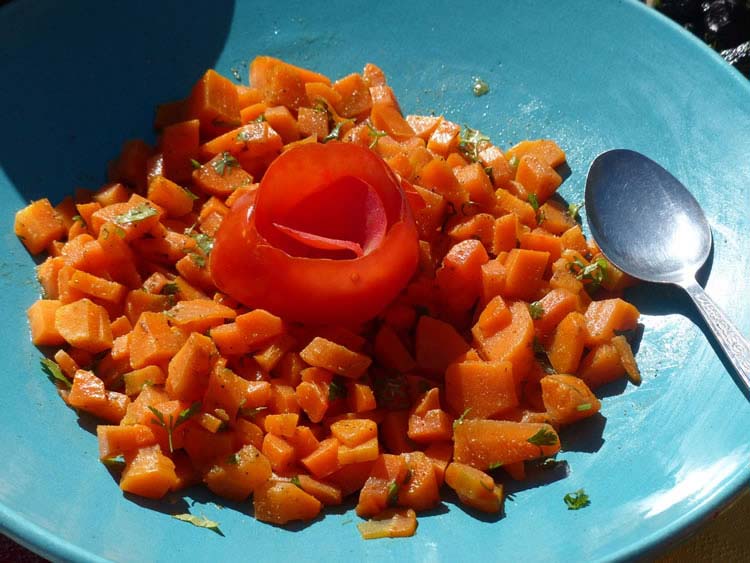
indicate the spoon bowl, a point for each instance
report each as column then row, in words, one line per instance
column 650, row 226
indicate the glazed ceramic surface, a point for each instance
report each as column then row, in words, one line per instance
column 79, row 78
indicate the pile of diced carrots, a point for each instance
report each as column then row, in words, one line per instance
column 496, row 342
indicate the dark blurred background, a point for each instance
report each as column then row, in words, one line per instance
column 722, row 24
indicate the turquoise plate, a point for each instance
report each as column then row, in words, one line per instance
column 78, row 78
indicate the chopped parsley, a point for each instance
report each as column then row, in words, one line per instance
column 544, row 437
column 583, row 407
column 225, row 161
column 533, row 201
column 460, row 419
column 392, row 497
column 200, row 522
column 195, row 164
column 295, row 481
column 251, row 412
column 495, row 465
column 233, row 459
column 375, row 134
column 79, row 219
column 471, row 142
column 135, row 214
column 52, row 369
column 577, row 500
column 536, row 310
column 336, row 131
column 595, row 273
column 190, row 194
column 574, row 210
column 170, row 288
column 336, row 389
column 170, row 426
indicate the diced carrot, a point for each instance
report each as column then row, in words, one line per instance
column 205, row 447
column 283, row 122
column 360, row 397
column 390, row 351
column 387, row 475
column 546, row 150
column 355, row 96
column 153, row 341
column 444, row 139
column 480, row 389
column 435, row 425
column 555, row 305
column 524, row 272
column 509, row 203
column 500, row 169
column 567, row 398
column 438, row 175
column 437, row 345
column 459, row 277
column 97, row 287
column 67, row 363
column 440, row 454
column 170, row 112
column 366, row 451
column 495, row 316
column 239, row 474
column 567, row 344
column 85, row 325
column 557, row 219
column 480, row 227
column 474, row 180
column 423, row 125
column 37, row 225
column 513, row 343
column 537, row 177
column 280, row 502
column 148, row 473
column 325, row 492
column 221, row 176
column 354, row 432
column 118, row 440
column 335, row 357
column 605, row 317
column 130, row 165
column 215, row 103
column 388, row 118
column 541, row 240
column 179, row 145
column 174, row 199
column 283, row 425
column 486, row 443
column 492, row 280
column 190, row 367
column 390, row 523
column 474, row 487
column 41, row 317
column 199, row 315
column 135, row 380
column 248, row 95
column 324, row 460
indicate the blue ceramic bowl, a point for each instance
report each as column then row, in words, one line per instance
column 79, row 77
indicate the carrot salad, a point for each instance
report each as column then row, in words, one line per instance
column 299, row 295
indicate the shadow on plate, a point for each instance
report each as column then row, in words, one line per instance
column 68, row 110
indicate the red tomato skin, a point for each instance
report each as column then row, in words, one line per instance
column 246, row 266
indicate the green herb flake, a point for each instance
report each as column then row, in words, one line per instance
column 536, row 310
column 595, row 273
column 225, row 161
column 513, row 162
column 117, row 462
column 471, row 142
column 583, row 407
column 261, row 118
column 460, row 419
column 375, row 134
column 533, row 201
column 79, row 219
column 135, row 214
column 495, row 465
column 188, row 413
column 195, row 164
column 577, row 500
column 295, row 481
column 392, row 497
column 336, row 131
column 199, row 521
column 170, row 288
column 574, row 210
column 190, row 194
column 233, row 459
column 479, row 87
column 336, row 389
column 52, row 369
column 545, row 436
column 172, row 424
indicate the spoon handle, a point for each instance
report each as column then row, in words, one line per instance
column 735, row 346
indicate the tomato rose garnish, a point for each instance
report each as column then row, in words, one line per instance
column 328, row 237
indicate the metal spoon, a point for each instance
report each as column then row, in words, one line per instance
column 650, row 226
